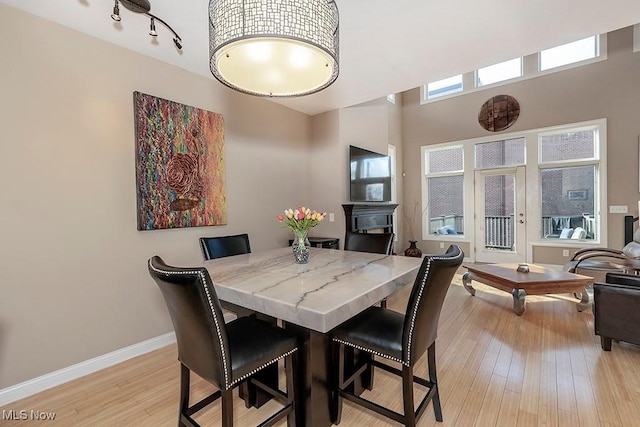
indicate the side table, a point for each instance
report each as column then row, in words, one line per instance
column 322, row 242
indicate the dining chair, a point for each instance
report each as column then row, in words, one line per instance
column 225, row 355
column 400, row 338
column 377, row 243
column 224, row 246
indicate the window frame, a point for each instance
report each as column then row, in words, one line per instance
column 425, row 190
column 532, row 185
column 477, row 83
column 530, row 69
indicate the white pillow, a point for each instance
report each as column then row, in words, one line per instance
column 566, row 233
column 632, row 250
column 579, row 233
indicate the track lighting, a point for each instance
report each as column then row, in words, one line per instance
column 116, row 12
column 144, row 7
column 152, row 29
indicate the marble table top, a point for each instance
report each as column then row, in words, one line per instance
column 334, row 286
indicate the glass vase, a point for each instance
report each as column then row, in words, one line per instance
column 301, row 247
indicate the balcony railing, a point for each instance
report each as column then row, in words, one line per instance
column 498, row 229
column 498, row 232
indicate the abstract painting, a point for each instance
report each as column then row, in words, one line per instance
column 180, row 169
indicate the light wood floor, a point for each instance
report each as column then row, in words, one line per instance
column 545, row 368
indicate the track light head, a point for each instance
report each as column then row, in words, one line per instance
column 152, row 28
column 116, row 12
column 144, row 7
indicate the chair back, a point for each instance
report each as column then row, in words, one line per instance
column 197, row 319
column 425, row 302
column 377, row 243
column 223, row 246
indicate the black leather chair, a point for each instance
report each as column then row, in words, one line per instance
column 597, row 262
column 223, row 246
column 226, row 355
column 376, row 243
column 401, row 338
column 616, row 309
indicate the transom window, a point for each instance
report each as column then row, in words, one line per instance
column 499, row 72
column 494, row 154
column 569, row 53
column 573, row 54
column 445, row 86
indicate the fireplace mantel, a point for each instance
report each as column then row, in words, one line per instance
column 362, row 218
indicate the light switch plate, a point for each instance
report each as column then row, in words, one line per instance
column 618, row 209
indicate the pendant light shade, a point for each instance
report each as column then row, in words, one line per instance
column 277, row 48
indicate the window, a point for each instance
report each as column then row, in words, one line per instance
column 444, row 173
column 568, row 184
column 494, row 154
column 499, row 72
column 555, row 59
column 569, row 53
column 444, row 87
column 560, row 187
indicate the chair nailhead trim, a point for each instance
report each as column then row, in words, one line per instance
column 415, row 307
column 368, row 350
column 262, row 367
column 213, row 312
column 413, row 317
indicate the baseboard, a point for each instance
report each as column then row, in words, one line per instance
column 53, row 379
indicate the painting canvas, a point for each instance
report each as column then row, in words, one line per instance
column 180, row 169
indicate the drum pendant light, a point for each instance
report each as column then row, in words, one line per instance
column 277, row 48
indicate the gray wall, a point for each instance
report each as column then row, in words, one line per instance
column 73, row 278
column 606, row 89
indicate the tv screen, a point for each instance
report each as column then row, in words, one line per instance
column 370, row 176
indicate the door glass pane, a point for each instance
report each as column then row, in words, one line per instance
column 509, row 152
column 499, row 205
column 446, row 205
column 568, row 203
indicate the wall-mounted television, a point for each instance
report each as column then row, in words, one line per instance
column 370, row 176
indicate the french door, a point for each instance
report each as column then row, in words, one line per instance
column 500, row 215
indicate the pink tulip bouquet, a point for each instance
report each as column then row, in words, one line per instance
column 301, row 220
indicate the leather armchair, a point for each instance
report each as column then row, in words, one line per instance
column 616, row 308
column 597, row 262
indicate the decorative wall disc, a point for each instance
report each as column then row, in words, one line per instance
column 499, row 113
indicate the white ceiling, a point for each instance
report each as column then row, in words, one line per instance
column 386, row 46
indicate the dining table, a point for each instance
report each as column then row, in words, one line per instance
column 310, row 299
